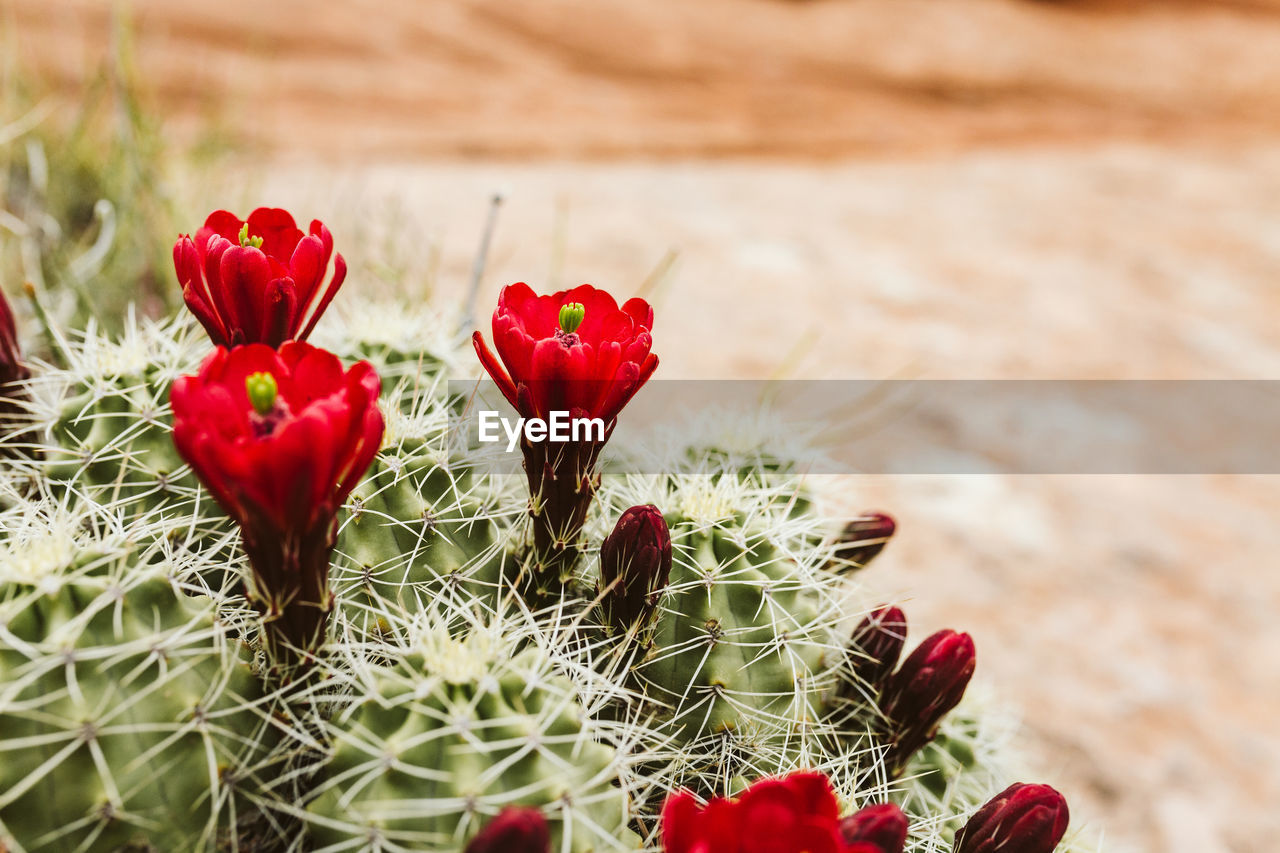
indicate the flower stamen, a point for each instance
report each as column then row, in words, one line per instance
column 571, row 316
column 263, row 391
column 246, row 240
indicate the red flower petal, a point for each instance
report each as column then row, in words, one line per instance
column 494, row 369
column 680, row 816
column 307, row 267
column 223, row 223
column 320, row 303
column 640, row 311
column 814, row 794
column 278, row 231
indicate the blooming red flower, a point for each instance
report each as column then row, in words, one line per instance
column 260, row 280
column 797, row 813
column 1020, row 819
column 931, row 682
column 589, row 370
column 574, row 351
column 280, row 438
column 516, row 829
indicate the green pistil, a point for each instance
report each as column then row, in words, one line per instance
column 571, row 315
column 262, row 390
column 246, row 240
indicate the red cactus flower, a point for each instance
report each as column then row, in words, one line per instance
column 635, row 565
column 516, row 829
column 883, row 825
column 1020, row 819
column 260, row 280
column 577, row 352
column 280, row 438
column 574, row 351
column 797, row 813
column 930, row 683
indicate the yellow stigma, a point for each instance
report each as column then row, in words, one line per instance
column 246, row 240
column 571, row 315
column 262, row 390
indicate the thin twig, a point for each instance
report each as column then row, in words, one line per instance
column 477, row 268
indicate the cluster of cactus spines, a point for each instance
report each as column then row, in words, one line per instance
column 720, row 643
column 129, row 712
column 432, row 744
column 418, row 526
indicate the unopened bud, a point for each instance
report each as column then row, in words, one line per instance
column 863, row 539
column 262, row 391
column 14, row 396
column 571, row 316
column 930, row 683
column 11, row 366
column 516, row 829
column 883, row 825
column 1020, row 819
column 876, row 646
column 635, row 565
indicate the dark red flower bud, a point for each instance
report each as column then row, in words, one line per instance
column 257, row 281
column 11, row 366
column 876, row 646
column 13, row 396
column 280, row 439
column 863, row 539
column 516, row 829
column 574, row 351
column 930, row 683
column 1021, row 819
column 635, row 565
column 883, row 825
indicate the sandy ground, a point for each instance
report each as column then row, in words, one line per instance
column 968, row 189
column 600, row 78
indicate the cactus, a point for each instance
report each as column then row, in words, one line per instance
column 128, row 710
column 139, row 706
column 454, row 731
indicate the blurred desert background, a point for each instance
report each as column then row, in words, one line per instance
column 976, row 189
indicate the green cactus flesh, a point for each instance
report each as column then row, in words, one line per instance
column 126, row 716
column 423, row 760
